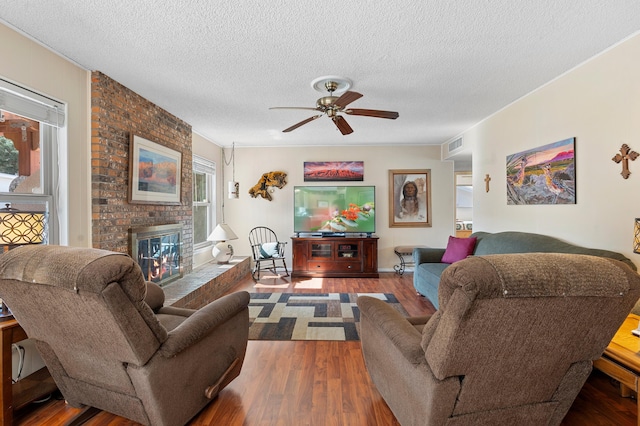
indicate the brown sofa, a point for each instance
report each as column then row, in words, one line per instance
column 107, row 348
column 512, row 343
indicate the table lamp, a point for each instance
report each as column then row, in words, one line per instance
column 222, row 251
column 19, row 228
column 636, row 236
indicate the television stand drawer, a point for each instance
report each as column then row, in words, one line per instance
column 341, row 266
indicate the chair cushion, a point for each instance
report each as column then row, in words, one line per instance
column 268, row 250
column 458, row 249
column 170, row 322
column 154, row 296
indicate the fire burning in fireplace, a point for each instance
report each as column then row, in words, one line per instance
column 158, row 251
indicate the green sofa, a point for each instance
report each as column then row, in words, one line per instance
column 429, row 265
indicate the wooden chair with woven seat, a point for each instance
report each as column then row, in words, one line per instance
column 266, row 251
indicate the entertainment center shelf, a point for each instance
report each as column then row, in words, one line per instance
column 335, row 257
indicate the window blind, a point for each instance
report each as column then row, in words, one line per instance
column 201, row 165
column 29, row 104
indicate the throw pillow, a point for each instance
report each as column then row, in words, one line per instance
column 268, row 250
column 458, row 249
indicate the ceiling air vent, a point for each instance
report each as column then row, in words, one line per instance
column 456, row 144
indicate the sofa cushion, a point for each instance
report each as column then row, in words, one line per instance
column 429, row 281
column 458, row 249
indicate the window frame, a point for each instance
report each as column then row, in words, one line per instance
column 202, row 165
column 51, row 176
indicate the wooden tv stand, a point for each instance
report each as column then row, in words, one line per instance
column 335, row 257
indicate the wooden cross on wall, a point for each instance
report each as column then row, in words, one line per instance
column 487, row 179
column 625, row 155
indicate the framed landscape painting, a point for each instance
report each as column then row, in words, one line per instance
column 323, row 171
column 154, row 173
column 543, row 175
column 409, row 198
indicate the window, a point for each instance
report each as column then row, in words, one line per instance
column 203, row 201
column 29, row 148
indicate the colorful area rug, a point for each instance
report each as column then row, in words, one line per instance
column 309, row 316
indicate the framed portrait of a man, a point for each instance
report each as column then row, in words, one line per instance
column 409, row 198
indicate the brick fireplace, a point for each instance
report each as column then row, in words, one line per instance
column 116, row 113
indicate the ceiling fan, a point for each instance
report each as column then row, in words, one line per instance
column 333, row 105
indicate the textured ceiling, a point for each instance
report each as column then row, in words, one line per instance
column 219, row 65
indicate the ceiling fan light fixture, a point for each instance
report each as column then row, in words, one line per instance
column 332, row 105
column 339, row 84
column 326, row 101
column 331, row 86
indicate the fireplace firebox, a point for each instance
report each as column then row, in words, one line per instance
column 158, row 251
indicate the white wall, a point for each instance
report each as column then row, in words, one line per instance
column 244, row 213
column 32, row 66
column 598, row 104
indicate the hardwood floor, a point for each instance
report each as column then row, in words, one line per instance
column 326, row 383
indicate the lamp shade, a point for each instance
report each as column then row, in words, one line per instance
column 636, row 236
column 222, row 232
column 21, row 227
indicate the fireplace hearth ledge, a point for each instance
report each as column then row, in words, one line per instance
column 206, row 283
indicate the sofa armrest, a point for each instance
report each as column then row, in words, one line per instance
column 204, row 321
column 427, row 255
column 392, row 326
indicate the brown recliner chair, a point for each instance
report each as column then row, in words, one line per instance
column 106, row 347
column 512, row 343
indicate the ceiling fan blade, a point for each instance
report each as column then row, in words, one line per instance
column 312, row 109
column 342, row 125
column 347, row 98
column 372, row 113
column 302, row 123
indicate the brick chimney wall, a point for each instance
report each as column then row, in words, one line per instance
column 116, row 113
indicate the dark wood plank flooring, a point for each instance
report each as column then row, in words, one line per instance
column 326, row 383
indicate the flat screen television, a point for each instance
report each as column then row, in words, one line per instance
column 334, row 210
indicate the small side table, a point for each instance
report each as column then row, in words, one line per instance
column 31, row 388
column 621, row 359
column 402, row 252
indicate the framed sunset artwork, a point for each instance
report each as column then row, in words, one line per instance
column 324, row 171
column 154, row 173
